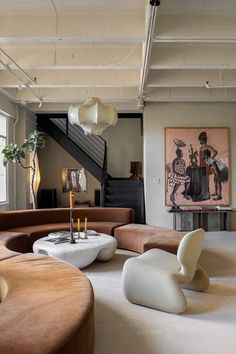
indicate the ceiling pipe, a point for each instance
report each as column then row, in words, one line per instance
column 23, row 84
column 208, row 86
column 148, row 47
column 18, row 67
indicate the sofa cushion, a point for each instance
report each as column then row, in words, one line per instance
column 47, row 307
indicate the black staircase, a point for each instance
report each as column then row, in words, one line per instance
column 91, row 153
column 125, row 192
column 88, row 150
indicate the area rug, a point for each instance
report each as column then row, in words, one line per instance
column 207, row 327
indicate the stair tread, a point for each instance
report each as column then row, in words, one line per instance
column 123, row 192
column 123, row 183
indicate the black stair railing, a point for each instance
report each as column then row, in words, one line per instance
column 93, row 146
column 89, row 150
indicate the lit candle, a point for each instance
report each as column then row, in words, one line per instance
column 78, row 225
column 85, row 224
column 71, row 199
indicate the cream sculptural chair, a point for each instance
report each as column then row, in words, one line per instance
column 154, row 278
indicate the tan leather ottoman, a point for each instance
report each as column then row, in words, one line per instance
column 140, row 238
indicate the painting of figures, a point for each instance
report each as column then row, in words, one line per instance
column 197, row 166
column 73, row 179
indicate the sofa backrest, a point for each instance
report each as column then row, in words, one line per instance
column 18, row 218
column 122, row 215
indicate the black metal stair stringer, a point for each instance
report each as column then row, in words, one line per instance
column 73, row 149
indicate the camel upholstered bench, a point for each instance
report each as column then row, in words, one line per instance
column 141, row 238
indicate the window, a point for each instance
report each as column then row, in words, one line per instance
column 3, row 177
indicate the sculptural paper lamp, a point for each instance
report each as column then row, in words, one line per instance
column 93, row 116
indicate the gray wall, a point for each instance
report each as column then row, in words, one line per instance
column 124, row 144
column 161, row 115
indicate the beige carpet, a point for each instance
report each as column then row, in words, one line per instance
column 207, row 327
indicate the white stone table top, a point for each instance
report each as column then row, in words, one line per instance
column 98, row 246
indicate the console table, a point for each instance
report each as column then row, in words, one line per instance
column 209, row 220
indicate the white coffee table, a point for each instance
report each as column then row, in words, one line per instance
column 100, row 247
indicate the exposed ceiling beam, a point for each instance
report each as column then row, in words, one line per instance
column 189, row 39
column 72, row 100
column 190, row 99
column 19, row 81
column 75, row 86
column 170, row 85
column 81, row 67
column 17, row 66
column 192, row 67
column 69, row 40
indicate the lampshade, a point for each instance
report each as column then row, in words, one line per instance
column 93, row 116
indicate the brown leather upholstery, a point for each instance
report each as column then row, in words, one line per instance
column 46, row 307
column 12, row 244
column 18, row 218
column 35, row 232
column 140, row 238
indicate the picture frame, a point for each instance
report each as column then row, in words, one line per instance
column 73, row 179
column 197, row 166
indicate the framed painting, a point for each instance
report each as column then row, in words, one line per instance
column 197, row 166
column 73, row 179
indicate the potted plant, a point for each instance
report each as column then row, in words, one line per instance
column 18, row 154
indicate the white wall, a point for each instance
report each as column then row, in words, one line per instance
column 20, row 123
column 9, row 108
column 161, row 115
column 6, row 106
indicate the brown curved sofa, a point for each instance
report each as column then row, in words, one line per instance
column 39, row 223
column 46, row 305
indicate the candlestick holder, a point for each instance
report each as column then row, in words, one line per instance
column 72, row 239
column 85, row 234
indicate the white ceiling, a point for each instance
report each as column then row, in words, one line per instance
column 72, row 49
